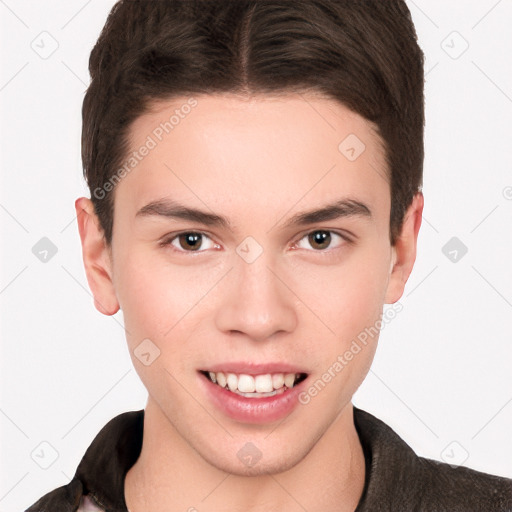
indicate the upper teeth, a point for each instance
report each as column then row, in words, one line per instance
column 253, row 383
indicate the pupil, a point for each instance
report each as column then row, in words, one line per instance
column 322, row 238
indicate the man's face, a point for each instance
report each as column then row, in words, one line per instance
column 257, row 295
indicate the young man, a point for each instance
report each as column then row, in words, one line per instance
column 255, row 169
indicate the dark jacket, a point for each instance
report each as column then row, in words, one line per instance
column 397, row 480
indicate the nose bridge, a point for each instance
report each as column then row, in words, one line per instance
column 256, row 302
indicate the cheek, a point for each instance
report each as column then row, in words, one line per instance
column 161, row 301
column 349, row 303
column 347, row 297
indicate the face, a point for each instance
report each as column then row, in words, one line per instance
column 257, row 289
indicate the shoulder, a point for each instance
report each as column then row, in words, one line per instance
column 65, row 498
column 113, row 449
column 68, row 498
column 458, row 485
column 406, row 481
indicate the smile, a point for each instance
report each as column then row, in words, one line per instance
column 251, row 392
column 255, row 386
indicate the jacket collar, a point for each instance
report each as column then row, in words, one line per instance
column 112, row 453
column 390, row 462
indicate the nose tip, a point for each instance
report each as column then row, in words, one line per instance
column 257, row 331
column 256, row 303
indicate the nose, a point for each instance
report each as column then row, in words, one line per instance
column 256, row 301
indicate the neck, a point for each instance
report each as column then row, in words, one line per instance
column 170, row 475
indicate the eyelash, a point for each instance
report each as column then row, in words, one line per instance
column 167, row 242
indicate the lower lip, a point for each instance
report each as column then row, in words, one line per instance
column 252, row 410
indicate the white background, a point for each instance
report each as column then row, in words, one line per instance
column 442, row 372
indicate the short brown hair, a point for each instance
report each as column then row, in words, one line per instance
column 362, row 53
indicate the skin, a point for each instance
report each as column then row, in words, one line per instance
column 257, row 161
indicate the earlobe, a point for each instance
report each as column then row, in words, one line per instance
column 404, row 251
column 96, row 258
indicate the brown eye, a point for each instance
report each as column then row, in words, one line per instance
column 190, row 241
column 322, row 239
column 319, row 239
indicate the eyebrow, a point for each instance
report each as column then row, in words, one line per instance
column 171, row 209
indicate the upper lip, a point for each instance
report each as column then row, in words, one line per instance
column 251, row 368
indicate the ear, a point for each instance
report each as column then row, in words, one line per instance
column 404, row 251
column 97, row 258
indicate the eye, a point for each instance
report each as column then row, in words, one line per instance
column 188, row 241
column 322, row 239
column 192, row 241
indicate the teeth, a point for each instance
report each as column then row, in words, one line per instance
column 232, row 381
column 221, row 379
column 277, row 380
column 246, row 383
column 264, row 383
column 254, row 386
column 289, row 379
column 258, row 395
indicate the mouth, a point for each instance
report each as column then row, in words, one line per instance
column 255, row 386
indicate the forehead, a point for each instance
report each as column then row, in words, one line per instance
column 260, row 151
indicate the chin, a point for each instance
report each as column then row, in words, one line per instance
column 250, row 461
